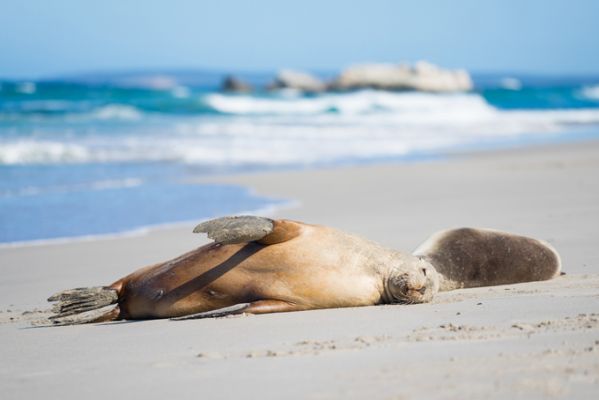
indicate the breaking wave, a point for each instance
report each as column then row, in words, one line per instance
column 116, row 111
column 42, row 152
column 590, row 92
column 362, row 102
column 291, row 130
column 297, row 140
column 68, row 111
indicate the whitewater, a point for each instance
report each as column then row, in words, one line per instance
column 281, row 130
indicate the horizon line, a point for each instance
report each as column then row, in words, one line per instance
column 258, row 71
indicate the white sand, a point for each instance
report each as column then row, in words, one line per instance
column 534, row 340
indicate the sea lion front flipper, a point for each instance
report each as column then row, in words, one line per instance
column 246, row 228
column 469, row 257
column 220, row 312
column 255, row 307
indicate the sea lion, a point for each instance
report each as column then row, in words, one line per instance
column 257, row 265
column 469, row 257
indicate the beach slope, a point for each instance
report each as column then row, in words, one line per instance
column 532, row 340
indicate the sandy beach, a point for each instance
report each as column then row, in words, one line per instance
column 532, row 340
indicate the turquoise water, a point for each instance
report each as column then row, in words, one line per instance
column 98, row 155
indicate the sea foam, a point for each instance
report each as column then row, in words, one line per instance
column 116, row 111
column 271, row 131
column 41, row 152
column 76, row 187
column 362, row 102
column 590, row 92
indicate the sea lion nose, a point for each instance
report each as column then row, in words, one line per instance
column 422, row 290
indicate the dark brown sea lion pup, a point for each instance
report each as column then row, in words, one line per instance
column 258, row 265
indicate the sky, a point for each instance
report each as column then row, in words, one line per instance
column 43, row 38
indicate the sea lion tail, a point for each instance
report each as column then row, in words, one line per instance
column 84, row 305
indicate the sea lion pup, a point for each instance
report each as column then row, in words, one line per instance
column 469, row 257
column 257, row 265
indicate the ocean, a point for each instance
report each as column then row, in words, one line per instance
column 112, row 154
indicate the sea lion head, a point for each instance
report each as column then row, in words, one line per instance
column 411, row 280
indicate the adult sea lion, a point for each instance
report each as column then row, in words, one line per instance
column 257, row 265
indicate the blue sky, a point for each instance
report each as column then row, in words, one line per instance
column 45, row 38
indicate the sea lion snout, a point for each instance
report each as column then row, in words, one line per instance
column 416, row 284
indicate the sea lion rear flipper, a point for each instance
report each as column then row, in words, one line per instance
column 84, row 305
column 255, row 307
column 469, row 257
column 243, row 229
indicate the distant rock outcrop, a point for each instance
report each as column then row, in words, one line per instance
column 422, row 76
column 288, row 79
column 234, row 84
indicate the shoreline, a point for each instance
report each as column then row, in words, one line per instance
column 134, row 232
column 238, row 179
column 530, row 340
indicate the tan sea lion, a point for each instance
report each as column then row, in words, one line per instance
column 257, row 265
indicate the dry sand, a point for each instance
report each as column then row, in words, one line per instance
column 533, row 340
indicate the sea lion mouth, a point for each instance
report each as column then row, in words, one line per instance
column 413, row 296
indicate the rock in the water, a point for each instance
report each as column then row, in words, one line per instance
column 422, row 76
column 233, row 84
column 288, row 79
